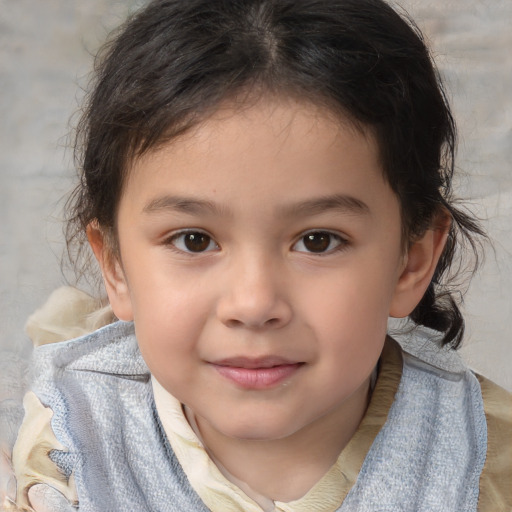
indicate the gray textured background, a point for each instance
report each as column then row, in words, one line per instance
column 45, row 54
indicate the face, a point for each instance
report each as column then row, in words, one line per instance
column 260, row 257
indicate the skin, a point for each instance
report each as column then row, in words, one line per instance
column 251, row 184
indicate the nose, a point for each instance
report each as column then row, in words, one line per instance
column 254, row 296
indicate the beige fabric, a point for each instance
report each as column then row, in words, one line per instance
column 217, row 489
column 31, row 462
column 68, row 313
column 496, row 478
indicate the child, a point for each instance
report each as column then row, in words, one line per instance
column 264, row 183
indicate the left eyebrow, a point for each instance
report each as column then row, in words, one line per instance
column 338, row 202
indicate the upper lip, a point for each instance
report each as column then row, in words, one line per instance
column 254, row 362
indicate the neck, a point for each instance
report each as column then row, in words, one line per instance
column 269, row 467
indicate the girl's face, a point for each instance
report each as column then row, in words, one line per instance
column 260, row 257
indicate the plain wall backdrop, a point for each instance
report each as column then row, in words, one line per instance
column 46, row 49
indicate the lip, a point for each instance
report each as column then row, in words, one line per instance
column 258, row 373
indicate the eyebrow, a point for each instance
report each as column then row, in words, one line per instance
column 181, row 204
column 338, row 202
column 195, row 206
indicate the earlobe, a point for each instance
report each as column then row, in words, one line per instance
column 420, row 264
column 113, row 275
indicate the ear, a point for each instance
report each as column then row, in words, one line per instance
column 419, row 267
column 113, row 275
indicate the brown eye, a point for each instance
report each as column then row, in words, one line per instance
column 318, row 242
column 193, row 241
column 196, row 242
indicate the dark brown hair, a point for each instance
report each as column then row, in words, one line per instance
column 172, row 63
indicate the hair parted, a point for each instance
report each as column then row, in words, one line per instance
column 171, row 64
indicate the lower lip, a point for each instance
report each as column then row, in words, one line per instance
column 258, row 378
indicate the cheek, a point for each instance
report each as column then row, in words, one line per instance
column 352, row 299
column 351, row 333
column 166, row 297
column 349, row 314
column 168, row 324
column 169, row 353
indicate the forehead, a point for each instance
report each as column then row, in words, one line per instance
column 273, row 148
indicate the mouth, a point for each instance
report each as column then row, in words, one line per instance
column 258, row 373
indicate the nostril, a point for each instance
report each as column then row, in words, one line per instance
column 271, row 322
column 234, row 323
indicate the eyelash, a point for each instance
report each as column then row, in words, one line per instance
column 207, row 244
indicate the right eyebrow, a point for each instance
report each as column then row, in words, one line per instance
column 181, row 204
